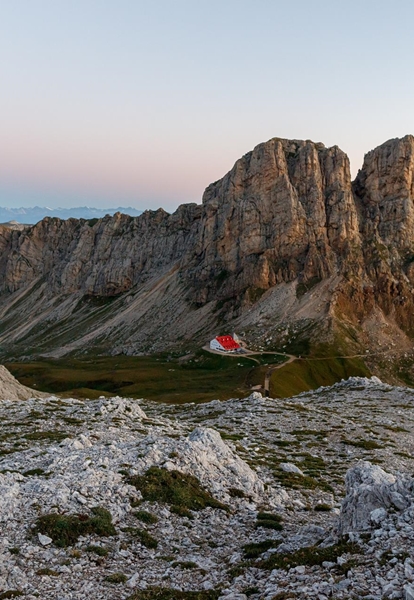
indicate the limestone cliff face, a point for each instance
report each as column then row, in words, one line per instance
column 102, row 258
column 285, row 210
column 384, row 189
column 286, row 217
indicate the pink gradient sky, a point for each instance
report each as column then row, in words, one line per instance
column 126, row 102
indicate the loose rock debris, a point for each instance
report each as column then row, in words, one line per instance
column 339, row 525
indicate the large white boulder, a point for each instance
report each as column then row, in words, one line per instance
column 369, row 492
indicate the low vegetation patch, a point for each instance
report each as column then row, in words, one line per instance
column 322, row 507
column 175, row 488
column 116, row 578
column 50, row 436
column 255, row 550
column 35, row 472
column 295, row 481
column 65, row 530
column 48, row 572
column 159, row 593
column 311, row 555
column 269, row 521
column 182, row 512
column 146, row 517
column 145, row 538
column 365, row 444
column 99, row 550
column 236, row 493
column 185, row 564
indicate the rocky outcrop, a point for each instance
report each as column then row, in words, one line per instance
column 370, row 493
column 285, row 219
column 11, row 389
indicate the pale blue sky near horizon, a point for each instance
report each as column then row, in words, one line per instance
column 131, row 103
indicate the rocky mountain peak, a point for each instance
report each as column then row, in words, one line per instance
column 285, row 220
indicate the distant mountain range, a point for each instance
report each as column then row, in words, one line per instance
column 37, row 213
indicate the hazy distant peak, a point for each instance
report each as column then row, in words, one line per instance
column 30, row 215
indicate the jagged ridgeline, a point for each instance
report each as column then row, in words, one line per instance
column 284, row 248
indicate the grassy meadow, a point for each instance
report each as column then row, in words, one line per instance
column 166, row 378
column 175, row 379
column 310, row 373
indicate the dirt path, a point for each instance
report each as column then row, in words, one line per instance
column 269, row 372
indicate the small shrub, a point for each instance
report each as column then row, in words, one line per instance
column 99, row 550
column 10, row 594
column 145, row 538
column 32, row 472
column 269, row 525
column 236, row 493
column 14, row 550
column 182, row 512
column 146, row 517
column 134, row 502
column 185, row 564
column 237, row 570
column 269, row 521
column 322, row 507
column 47, row 571
column 264, row 516
column 65, row 530
column 175, row 488
column 116, row 578
column 255, row 550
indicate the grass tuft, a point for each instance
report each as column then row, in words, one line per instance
column 99, row 550
column 185, row 564
column 65, row 530
column 48, row 572
column 269, row 521
column 255, row 550
column 175, row 488
column 116, row 578
column 145, row 538
column 146, row 517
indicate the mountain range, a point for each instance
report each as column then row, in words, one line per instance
column 31, row 215
column 285, row 249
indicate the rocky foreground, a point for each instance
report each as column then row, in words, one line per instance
column 307, row 497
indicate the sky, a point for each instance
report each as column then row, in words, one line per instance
column 136, row 103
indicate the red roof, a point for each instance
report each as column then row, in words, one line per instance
column 227, row 342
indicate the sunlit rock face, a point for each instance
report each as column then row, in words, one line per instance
column 285, row 210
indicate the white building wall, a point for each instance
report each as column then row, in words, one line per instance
column 215, row 345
